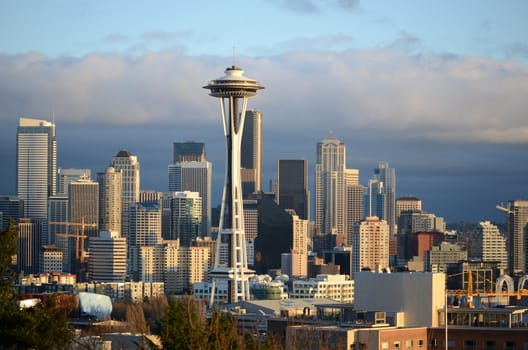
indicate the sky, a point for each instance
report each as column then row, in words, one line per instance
column 437, row 89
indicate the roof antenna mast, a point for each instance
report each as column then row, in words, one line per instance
column 234, row 65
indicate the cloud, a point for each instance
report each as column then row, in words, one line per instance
column 315, row 7
column 456, row 99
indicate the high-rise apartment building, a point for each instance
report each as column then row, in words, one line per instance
column 330, row 203
column 251, row 153
column 489, row 245
column 108, row 254
column 58, row 212
column 517, row 222
column 193, row 173
column 145, row 231
column 36, row 165
column 110, row 203
column 370, row 244
column 128, row 165
column 293, row 187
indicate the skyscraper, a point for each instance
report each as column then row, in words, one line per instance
column 128, row 165
column 354, row 201
column 189, row 151
column 251, row 153
column 293, row 187
column 186, row 210
column 107, row 257
column 233, row 90
column 330, row 210
column 36, row 165
column 517, row 222
column 84, row 205
column 110, row 200
column 387, row 176
column 192, row 172
column 488, row 244
column 145, row 231
column 66, row 176
column 370, row 244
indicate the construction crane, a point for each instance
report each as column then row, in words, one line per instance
column 79, row 236
column 468, row 292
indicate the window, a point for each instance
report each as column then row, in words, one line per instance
column 408, row 344
column 469, row 344
column 385, row 345
column 509, row 345
column 490, row 345
column 420, row 343
column 396, row 345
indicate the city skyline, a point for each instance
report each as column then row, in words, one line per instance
column 436, row 90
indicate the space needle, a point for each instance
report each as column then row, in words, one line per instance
column 233, row 91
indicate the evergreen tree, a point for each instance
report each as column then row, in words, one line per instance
column 43, row 326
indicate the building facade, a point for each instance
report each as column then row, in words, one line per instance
column 293, row 187
column 36, row 166
column 330, row 205
column 251, row 153
column 128, row 165
column 370, row 244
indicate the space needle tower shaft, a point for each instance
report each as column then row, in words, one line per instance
column 233, row 90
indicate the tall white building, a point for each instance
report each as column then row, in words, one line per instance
column 354, row 201
column 488, row 244
column 517, row 220
column 370, row 244
column 36, row 165
column 145, row 231
column 107, row 261
column 128, row 165
column 336, row 287
column 330, row 204
column 110, row 200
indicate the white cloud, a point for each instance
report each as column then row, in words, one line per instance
column 457, row 99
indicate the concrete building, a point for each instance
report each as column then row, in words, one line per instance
column 370, row 244
column 335, row 287
column 407, row 203
column 108, row 257
column 128, row 165
column 488, row 244
column 330, row 203
column 517, row 222
column 65, row 176
column 354, row 201
column 419, row 295
column 437, row 259
column 11, row 207
column 193, row 267
column 50, row 259
column 110, row 200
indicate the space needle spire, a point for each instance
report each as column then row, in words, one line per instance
column 233, row 91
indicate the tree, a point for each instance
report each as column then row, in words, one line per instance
column 43, row 326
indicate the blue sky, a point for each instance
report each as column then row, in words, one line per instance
column 437, row 89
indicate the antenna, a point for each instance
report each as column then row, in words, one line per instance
column 53, row 114
column 234, row 55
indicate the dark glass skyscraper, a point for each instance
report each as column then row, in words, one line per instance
column 292, row 189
